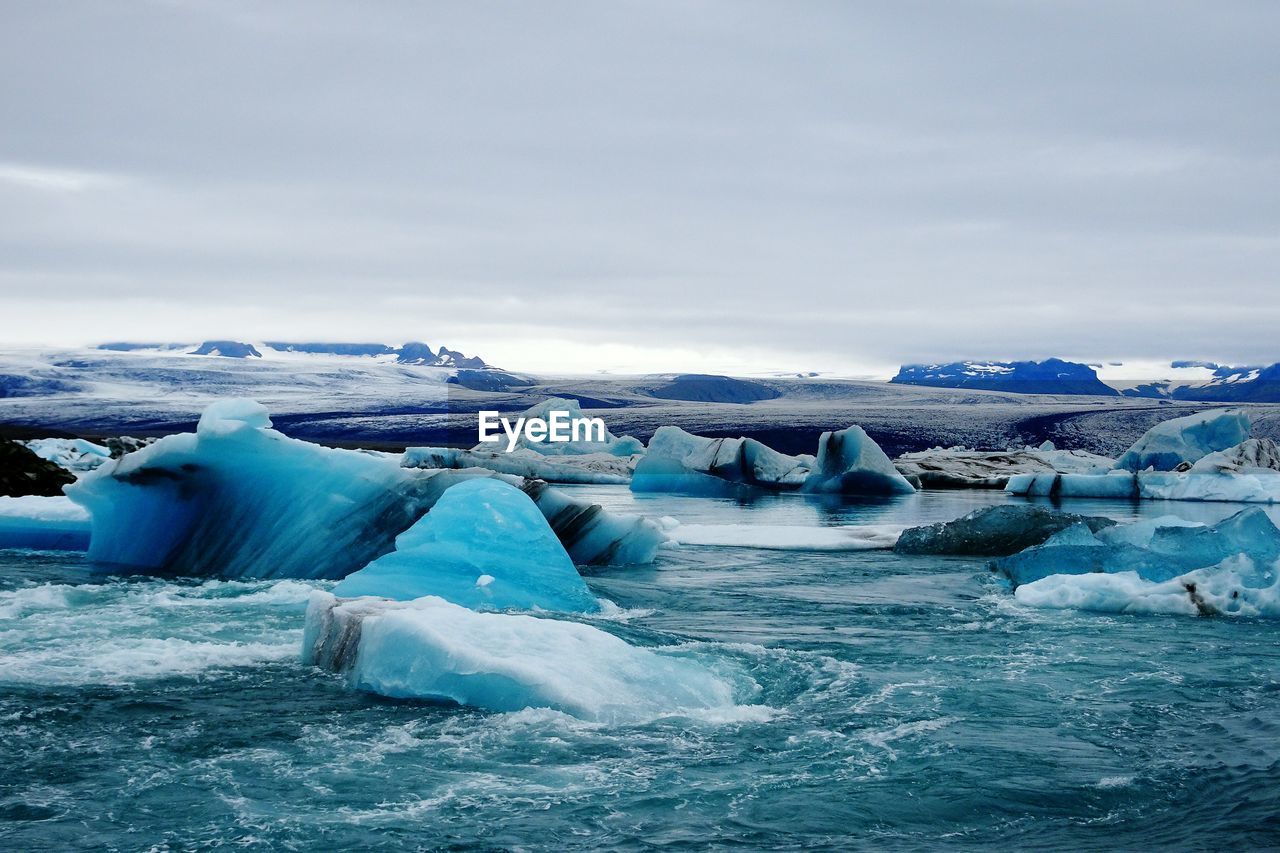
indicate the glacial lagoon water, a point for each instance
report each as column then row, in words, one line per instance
column 898, row 703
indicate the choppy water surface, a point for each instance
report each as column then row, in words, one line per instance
column 912, row 704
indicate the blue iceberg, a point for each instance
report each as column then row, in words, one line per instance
column 850, row 463
column 1183, row 441
column 239, row 499
column 434, row 650
column 677, row 461
column 484, row 545
column 1155, row 550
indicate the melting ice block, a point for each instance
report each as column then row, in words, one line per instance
column 585, row 468
column 850, row 463
column 993, row 531
column 483, row 545
column 1155, row 550
column 1185, row 440
column 959, row 468
column 238, row 499
column 434, row 650
column 1238, row 586
column 612, row 444
column 74, row 454
column 677, row 461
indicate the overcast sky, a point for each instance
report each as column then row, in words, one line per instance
column 734, row 186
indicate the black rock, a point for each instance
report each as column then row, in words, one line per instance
column 24, row 473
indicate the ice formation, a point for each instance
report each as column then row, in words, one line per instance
column 960, row 468
column 677, row 461
column 239, row 499
column 74, row 454
column 1258, row 486
column 993, row 531
column 1156, row 550
column 601, row 468
column 1238, row 586
column 1254, row 456
column 849, row 462
column 43, row 524
column 434, row 650
column 612, row 445
column 483, row 545
column 1185, row 440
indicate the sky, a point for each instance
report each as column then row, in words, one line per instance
column 648, row 186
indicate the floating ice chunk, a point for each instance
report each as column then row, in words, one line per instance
column 1256, row 456
column 1259, row 486
column 43, row 524
column 74, row 454
column 434, row 650
column 957, row 468
column 993, row 531
column 239, row 499
column 780, row 537
column 585, row 468
column 1155, row 551
column 1185, row 440
column 479, row 530
column 1237, row 586
column 677, row 461
column 612, row 444
column 850, row 463
column 593, row 536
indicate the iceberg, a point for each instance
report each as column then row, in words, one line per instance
column 1183, row 441
column 598, row 468
column 994, row 531
column 850, row 463
column 677, row 461
column 960, row 468
column 43, row 524
column 1238, row 586
column 1258, row 485
column 74, row 454
column 239, row 499
column 434, row 650
column 484, row 545
column 1254, row 456
column 1156, row 550
column 612, row 445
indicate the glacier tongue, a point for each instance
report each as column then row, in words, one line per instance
column 433, row 650
column 483, row 545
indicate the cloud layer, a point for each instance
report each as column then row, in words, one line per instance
column 648, row 186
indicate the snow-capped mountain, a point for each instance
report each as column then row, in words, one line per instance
column 413, row 352
column 1225, row 384
column 1052, row 376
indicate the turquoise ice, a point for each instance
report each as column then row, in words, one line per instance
column 484, row 545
